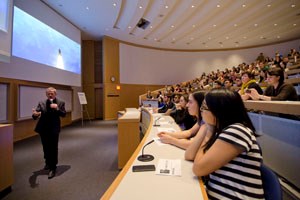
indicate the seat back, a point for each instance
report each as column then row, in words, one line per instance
column 271, row 185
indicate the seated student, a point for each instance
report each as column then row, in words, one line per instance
column 181, row 139
column 181, row 114
column 149, row 95
column 227, row 151
column 277, row 90
column 168, row 104
column 248, row 82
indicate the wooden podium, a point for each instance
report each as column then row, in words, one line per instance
column 6, row 156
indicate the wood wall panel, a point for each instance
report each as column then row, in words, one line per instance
column 129, row 94
column 111, row 68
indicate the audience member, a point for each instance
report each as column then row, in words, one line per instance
column 181, row 114
column 168, row 104
column 277, row 89
column 227, row 150
column 248, row 82
column 181, row 139
column 149, row 95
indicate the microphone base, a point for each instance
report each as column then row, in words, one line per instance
column 156, row 125
column 145, row 158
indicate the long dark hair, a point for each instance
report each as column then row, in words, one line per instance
column 228, row 108
column 199, row 97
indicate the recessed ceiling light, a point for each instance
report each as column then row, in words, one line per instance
column 214, row 25
column 114, row 4
column 245, row 37
column 129, row 27
column 255, row 24
column 294, row 24
column 194, row 26
column 166, row 6
column 275, row 24
column 293, row 5
column 172, row 26
column 218, row 6
column 244, row 5
column 278, row 36
column 173, row 39
column 227, row 38
column 192, row 6
column 140, row 7
column 87, row 8
column 155, row 39
column 235, row 25
column 269, row 5
column 151, row 26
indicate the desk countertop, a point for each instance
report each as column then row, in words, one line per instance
column 148, row 185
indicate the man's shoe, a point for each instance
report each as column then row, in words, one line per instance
column 51, row 174
column 46, row 167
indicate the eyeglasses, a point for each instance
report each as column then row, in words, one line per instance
column 203, row 106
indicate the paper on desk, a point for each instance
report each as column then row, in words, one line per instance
column 166, row 130
column 168, row 167
column 164, row 122
column 158, row 141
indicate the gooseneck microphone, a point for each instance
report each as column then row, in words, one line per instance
column 51, row 101
column 146, row 157
column 155, row 122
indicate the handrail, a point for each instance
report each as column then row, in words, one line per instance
column 284, row 107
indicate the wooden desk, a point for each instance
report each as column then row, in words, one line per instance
column 285, row 107
column 6, row 156
column 128, row 135
column 147, row 185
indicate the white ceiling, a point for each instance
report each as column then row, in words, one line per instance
column 185, row 24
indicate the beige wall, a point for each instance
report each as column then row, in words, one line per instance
column 128, row 95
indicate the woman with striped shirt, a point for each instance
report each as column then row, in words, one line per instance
column 227, row 151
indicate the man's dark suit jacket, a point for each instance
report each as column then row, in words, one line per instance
column 49, row 120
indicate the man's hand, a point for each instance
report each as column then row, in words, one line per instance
column 54, row 106
column 35, row 113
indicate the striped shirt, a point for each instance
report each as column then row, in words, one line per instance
column 241, row 177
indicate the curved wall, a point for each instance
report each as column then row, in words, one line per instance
column 140, row 65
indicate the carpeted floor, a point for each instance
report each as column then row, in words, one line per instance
column 87, row 164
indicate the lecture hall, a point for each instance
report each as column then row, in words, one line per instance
column 149, row 99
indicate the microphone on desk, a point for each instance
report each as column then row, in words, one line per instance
column 155, row 121
column 146, row 157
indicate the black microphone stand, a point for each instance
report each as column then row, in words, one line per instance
column 155, row 122
column 146, row 157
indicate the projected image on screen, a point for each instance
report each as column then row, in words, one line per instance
column 36, row 41
column 3, row 15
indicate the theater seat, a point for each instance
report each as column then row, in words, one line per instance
column 271, row 185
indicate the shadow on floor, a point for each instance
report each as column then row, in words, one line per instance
column 59, row 171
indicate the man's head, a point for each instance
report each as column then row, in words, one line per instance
column 51, row 93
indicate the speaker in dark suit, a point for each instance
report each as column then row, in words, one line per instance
column 48, row 113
